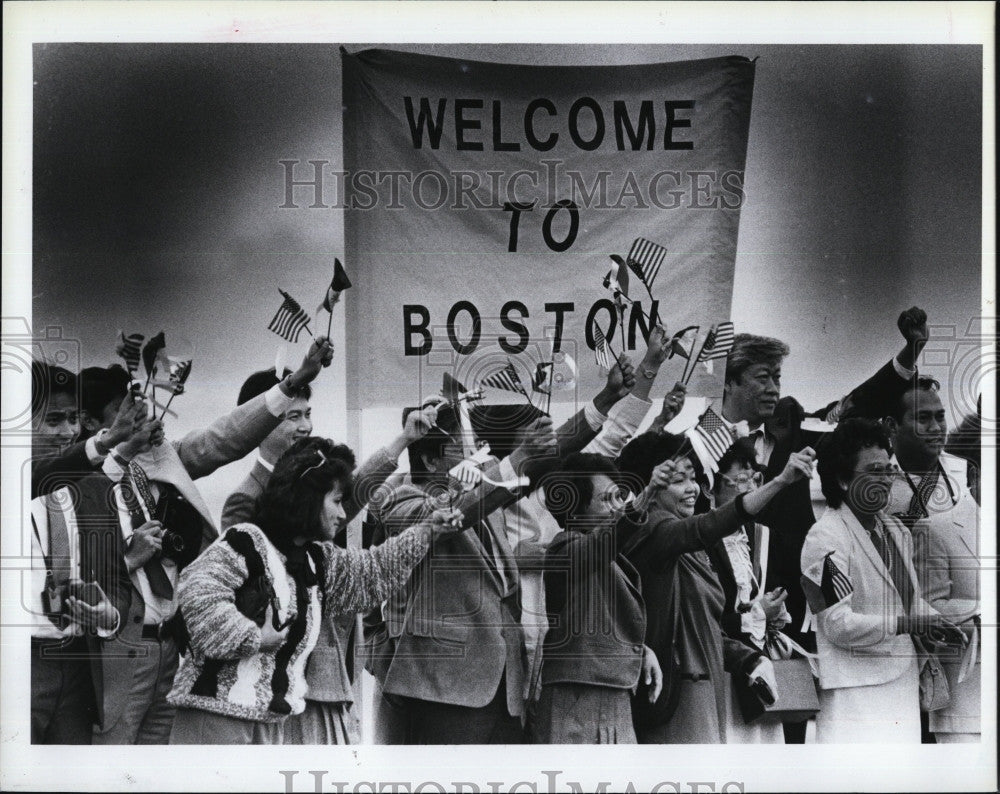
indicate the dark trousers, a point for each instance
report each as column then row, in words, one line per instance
column 63, row 709
column 445, row 723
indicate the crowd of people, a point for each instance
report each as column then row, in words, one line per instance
column 518, row 582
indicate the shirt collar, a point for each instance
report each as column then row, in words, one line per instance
column 264, row 463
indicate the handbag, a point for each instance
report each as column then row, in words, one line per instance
column 797, row 700
column 935, row 692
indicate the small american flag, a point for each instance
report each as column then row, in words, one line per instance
column 289, row 320
column 601, row 351
column 832, row 588
column 715, row 433
column 130, row 348
column 719, row 342
column 645, row 260
column 506, row 379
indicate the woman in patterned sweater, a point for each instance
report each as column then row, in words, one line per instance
column 253, row 601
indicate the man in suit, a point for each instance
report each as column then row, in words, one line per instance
column 452, row 655
column 70, row 611
column 933, row 498
column 296, row 423
column 163, row 524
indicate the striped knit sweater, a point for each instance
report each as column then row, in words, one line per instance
column 226, row 671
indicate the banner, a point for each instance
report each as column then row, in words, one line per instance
column 483, row 201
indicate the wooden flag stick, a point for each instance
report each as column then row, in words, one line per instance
column 329, row 322
column 154, row 401
column 167, row 406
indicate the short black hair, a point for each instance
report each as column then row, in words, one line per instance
column 920, row 383
column 743, row 453
column 571, row 488
column 260, row 382
column 100, row 386
column 47, row 380
column 838, row 451
column 292, row 501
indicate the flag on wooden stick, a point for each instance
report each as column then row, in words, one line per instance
column 715, row 434
column 718, row 343
column 602, row 352
column 130, row 348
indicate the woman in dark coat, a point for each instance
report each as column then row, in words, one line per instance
column 685, row 600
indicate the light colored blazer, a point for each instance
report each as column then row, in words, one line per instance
column 856, row 638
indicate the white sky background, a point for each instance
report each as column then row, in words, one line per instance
column 863, row 173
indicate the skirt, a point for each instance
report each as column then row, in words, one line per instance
column 583, row 714
column 194, row 726
column 323, row 723
column 886, row 713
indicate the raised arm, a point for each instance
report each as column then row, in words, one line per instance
column 361, row 579
column 239, row 432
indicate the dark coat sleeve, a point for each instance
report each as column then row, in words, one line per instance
column 50, row 474
column 670, row 537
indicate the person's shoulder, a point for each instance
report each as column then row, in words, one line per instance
column 953, row 463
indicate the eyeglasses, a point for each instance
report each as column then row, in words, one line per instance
column 743, row 479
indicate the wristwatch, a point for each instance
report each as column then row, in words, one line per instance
column 99, row 443
column 649, row 374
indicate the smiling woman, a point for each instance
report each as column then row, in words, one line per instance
column 683, row 594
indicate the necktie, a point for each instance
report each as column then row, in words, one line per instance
column 922, row 494
column 893, row 560
column 138, row 487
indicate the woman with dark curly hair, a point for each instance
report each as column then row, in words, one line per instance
column 859, row 578
column 254, row 600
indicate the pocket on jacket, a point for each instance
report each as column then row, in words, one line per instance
column 435, row 629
